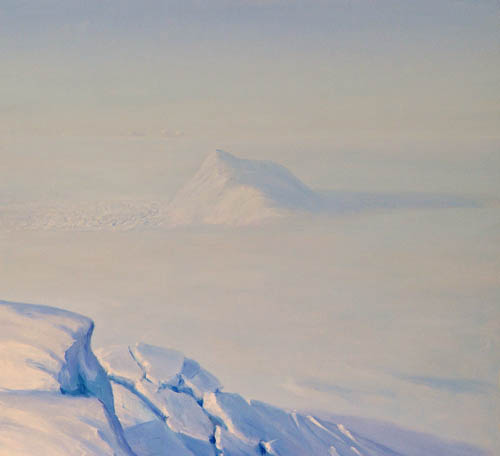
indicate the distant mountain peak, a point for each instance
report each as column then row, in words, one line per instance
column 228, row 190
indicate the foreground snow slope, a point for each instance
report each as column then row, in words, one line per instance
column 54, row 394
column 57, row 398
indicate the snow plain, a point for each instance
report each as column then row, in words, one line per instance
column 369, row 313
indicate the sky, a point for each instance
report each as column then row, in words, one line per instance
column 390, row 315
column 231, row 69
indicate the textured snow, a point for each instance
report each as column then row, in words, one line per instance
column 118, row 215
column 186, row 416
column 118, row 361
column 57, row 398
column 52, row 424
column 159, row 365
column 130, row 408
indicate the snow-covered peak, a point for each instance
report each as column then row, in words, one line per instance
column 228, row 190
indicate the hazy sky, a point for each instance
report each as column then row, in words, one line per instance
column 244, row 68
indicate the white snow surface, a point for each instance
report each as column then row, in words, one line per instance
column 54, row 394
column 39, row 423
column 228, row 190
column 57, row 398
